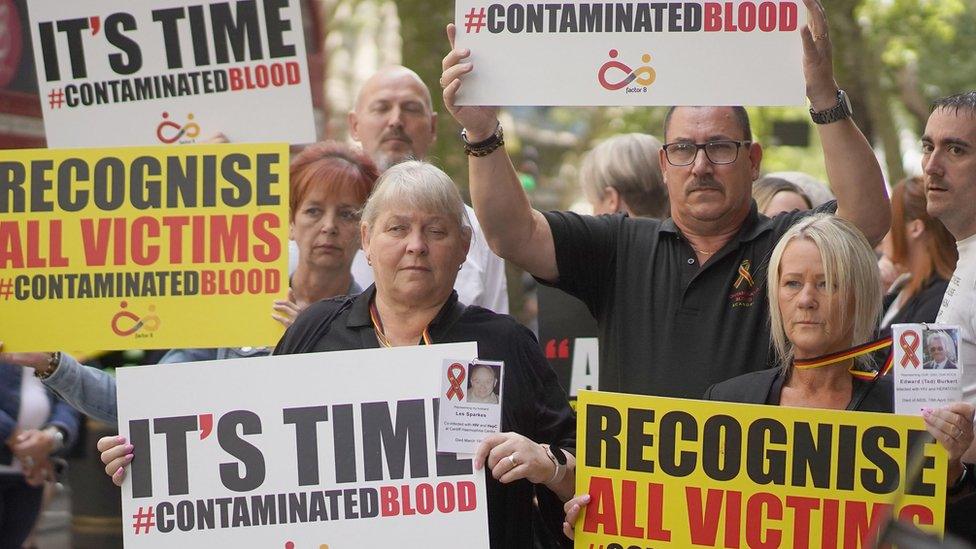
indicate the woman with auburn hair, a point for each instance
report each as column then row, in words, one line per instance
column 924, row 250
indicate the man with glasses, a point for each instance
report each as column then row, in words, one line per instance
column 680, row 303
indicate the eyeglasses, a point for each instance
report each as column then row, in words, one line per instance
column 683, row 153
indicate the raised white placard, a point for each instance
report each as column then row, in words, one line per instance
column 739, row 52
column 171, row 71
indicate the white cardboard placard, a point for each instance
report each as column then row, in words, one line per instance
column 739, row 52
column 296, row 451
column 171, row 71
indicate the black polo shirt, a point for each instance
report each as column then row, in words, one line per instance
column 669, row 326
column 533, row 403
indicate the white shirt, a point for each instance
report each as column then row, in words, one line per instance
column 35, row 408
column 480, row 282
column 959, row 308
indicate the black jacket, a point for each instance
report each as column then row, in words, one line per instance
column 765, row 386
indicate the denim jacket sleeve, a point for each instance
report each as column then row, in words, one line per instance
column 89, row 390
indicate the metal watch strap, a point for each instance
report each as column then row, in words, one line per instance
column 840, row 111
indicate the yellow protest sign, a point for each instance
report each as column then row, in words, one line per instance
column 665, row 472
column 142, row 248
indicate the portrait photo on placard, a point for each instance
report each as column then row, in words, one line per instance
column 941, row 351
column 484, row 383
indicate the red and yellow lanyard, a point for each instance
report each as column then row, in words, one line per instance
column 374, row 315
column 853, row 352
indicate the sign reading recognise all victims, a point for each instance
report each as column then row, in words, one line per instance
column 666, row 472
column 741, row 52
column 171, row 71
column 347, row 458
column 142, row 243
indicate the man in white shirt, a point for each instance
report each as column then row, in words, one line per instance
column 949, row 163
column 394, row 120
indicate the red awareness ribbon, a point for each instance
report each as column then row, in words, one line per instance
column 910, row 348
column 455, row 374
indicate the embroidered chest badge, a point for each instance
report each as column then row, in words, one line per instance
column 744, row 288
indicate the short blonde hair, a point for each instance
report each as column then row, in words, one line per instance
column 849, row 266
column 418, row 185
column 628, row 163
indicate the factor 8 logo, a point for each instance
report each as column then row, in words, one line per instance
column 168, row 131
column 126, row 323
column 643, row 75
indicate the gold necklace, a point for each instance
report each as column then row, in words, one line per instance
column 700, row 251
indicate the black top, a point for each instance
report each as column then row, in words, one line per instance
column 667, row 326
column 922, row 307
column 533, row 404
column 766, row 386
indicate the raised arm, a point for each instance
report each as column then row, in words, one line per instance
column 852, row 168
column 513, row 229
column 89, row 390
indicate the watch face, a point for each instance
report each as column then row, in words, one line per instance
column 846, row 101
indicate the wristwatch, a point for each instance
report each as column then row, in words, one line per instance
column 58, row 437
column 839, row 111
column 558, row 457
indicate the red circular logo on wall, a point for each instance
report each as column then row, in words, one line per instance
column 9, row 41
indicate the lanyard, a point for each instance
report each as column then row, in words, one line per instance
column 374, row 315
column 853, row 352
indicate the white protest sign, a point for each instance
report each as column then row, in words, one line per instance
column 296, row 451
column 740, row 52
column 171, row 71
column 927, row 366
column 471, row 404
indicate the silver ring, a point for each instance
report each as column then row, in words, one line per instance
column 511, row 459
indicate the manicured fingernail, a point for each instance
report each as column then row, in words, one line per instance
column 926, row 412
column 129, row 448
column 117, row 473
column 120, row 439
column 128, row 457
column 586, row 498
